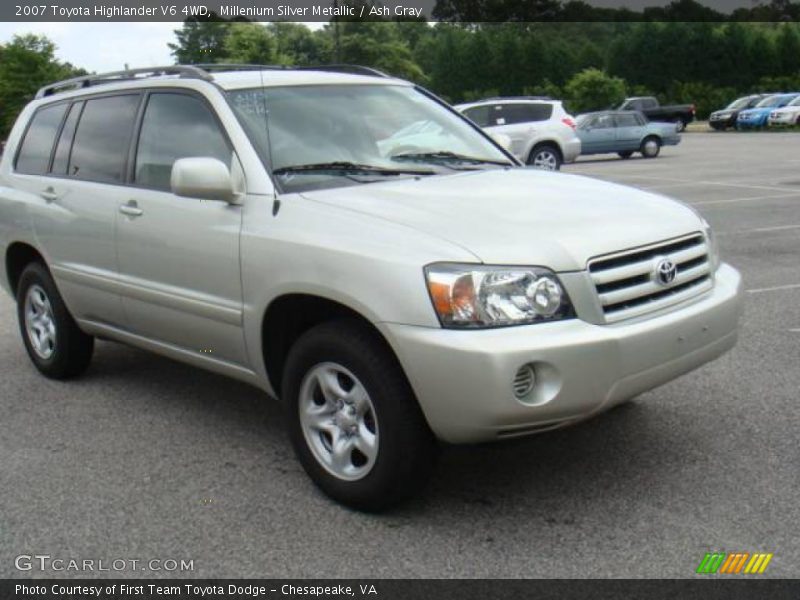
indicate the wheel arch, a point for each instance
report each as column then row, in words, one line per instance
column 546, row 142
column 290, row 315
column 18, row 256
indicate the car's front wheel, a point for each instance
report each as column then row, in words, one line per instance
column 651, row 147
column 545, row 156
column 55, row 344
column 353, row 419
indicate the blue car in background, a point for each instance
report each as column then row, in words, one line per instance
column 624, row 132
column 759, row 114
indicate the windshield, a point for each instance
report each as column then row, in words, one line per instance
column 770, row 101
column 740, row 103
column 321, row 136
column 795, row 102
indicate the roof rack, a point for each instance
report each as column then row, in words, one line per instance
column 335, row 68
column 515, row 98
column 185, row 71
column 195, row 71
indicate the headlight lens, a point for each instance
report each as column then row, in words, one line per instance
column 473, row 296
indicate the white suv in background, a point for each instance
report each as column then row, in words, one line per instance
column 542, row 133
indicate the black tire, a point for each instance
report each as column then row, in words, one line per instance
column 625, row 155
column 651, row 147
column 406, row 448
column 548, row 153
column 70, row 352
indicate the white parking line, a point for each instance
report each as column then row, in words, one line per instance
column 777, row 288
column 704, row 182
column 759, row 230
column 735, row 200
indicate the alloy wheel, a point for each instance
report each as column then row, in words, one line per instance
column 338, row 421
column 40, row 324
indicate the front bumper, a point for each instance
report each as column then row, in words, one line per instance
column 754, row 121
column 463, row 379
column 782, row 119
column 721, row 121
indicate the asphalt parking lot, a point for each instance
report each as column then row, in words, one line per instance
column 144, row 458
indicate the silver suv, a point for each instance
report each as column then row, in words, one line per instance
column 351, row 245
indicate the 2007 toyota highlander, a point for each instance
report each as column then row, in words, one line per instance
column 348, row 243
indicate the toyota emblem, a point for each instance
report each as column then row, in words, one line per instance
column 666, row 271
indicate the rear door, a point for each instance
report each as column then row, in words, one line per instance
column 629, row 131
column 520, row 121
column 179, row 257
column 75, row 225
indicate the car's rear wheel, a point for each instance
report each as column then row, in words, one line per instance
column 626, row 154
column 680, row 125
column 353, row 419
column 545, row 156
column 651, row 147
column 55, row 344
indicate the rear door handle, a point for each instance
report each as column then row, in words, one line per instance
column 131, row 209
column 49, row 194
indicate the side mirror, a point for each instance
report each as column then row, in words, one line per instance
column 502, row 140
column 203, row 178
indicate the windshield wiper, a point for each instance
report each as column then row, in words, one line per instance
column 447, row 156
column 349, row 168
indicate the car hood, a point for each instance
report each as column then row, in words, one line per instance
column 522, row 216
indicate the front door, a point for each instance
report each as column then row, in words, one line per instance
column 179, row 257
column 598, row 135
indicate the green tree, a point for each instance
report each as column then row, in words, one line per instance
column 200, row 40
column 251, row 43
column 593, row 89
column 27, row 63
column 787, row 48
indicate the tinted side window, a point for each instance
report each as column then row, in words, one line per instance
column 176, row 126
column 479, row 114
column 627, row 120
column 648, row 103
column 527, row 113
column 61, row 157
column 101, row 142
column 34, row 152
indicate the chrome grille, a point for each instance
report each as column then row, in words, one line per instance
column 626, row 282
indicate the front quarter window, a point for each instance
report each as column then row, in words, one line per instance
column 316, row 136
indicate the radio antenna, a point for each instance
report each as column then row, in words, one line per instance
column 276, row 204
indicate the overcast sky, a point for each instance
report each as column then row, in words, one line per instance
column 103, row 46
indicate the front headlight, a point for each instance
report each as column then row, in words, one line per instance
column 475, row 296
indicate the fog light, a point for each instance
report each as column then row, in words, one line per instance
column 524, row 381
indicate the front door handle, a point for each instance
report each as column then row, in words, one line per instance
column 131, row 208
column 49, row 194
